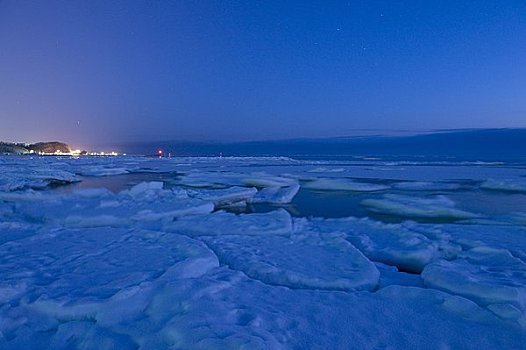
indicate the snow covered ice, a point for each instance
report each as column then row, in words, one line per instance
column 218, row 253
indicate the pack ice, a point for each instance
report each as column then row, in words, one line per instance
column 190, row 262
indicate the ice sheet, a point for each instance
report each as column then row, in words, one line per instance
column 332, row 264
column 154, row 266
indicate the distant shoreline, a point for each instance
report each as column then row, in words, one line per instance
column 53, row 148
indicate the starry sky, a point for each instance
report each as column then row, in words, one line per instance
column 87, row 72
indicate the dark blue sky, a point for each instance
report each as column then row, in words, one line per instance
column 91, row 71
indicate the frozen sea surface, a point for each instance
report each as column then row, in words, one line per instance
column 261, row 253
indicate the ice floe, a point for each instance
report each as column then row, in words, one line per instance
column 468, row 236
column 332, row 264
column 426, row 186
column 224, row 197
column 101, row 170
column 390, row 244
column 211, row 179
column 14, row 179
column 485, row 275
column 331, row 184
column 417, row 207
column 505, row 185
column 278, row 222
column 144, row 203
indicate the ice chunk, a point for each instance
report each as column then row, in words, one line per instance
column 212, row 179
column 224, row 197
column 145, row 189
column 483, row 274
column 330, row 184
column 505, row 185
column 101, row 170
column 297, row 262
column 12, row 179
column 511, row 238
column 426, row 186
column 265, row 180
column 416, row 207
column 390, row 244
column 279, row 195
column 73, row 272
column 175, row 211
column 512, row 219
column 277, row 222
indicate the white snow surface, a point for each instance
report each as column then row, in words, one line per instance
column 163, row 265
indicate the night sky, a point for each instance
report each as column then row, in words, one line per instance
column 87, row 72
